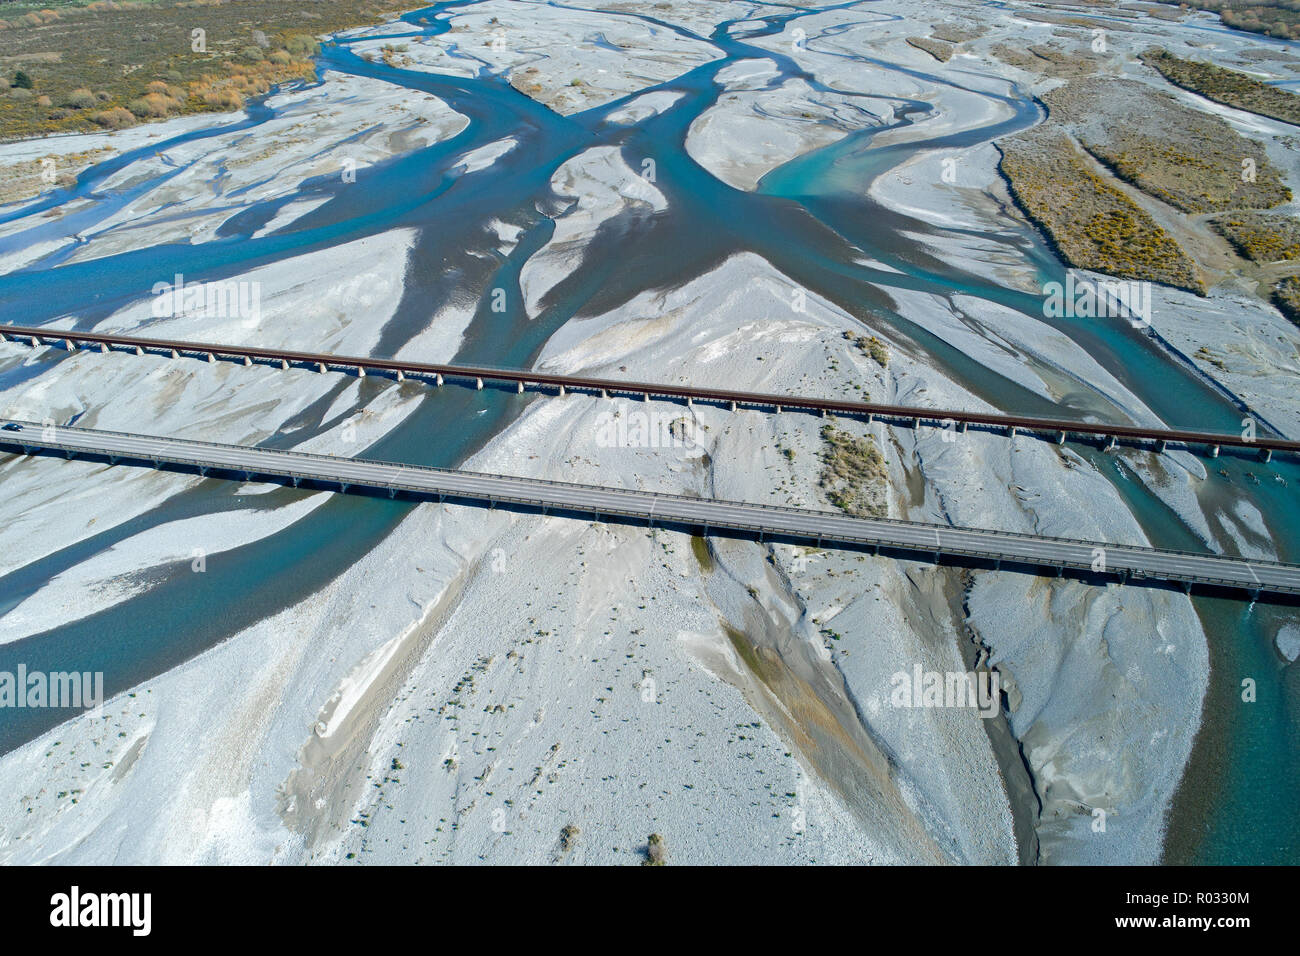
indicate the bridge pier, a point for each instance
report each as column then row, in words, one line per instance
column 964, row 426
column 1266, row 455
column 521, row 387
column 1160, row 447
column 438, row 380
column 67, row 345
column 778, row 409
column 478, row 384
column 1011, row 432
column 400, row 377
column 361, row 371
column 562, row 392
column 1060, row 438
column 103, row 346
column 247, row 361
column 645, row 397
column 175, row 354
column 1214, row 451
column 284, row 365
column 1111, row 443
column 320, row 368
column 733, row 406
column 604, row 393
column 211, row 358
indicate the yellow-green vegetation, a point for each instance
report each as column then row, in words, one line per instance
column 1092, row 224
column 704, row 557
column 1261, row 236
column 870, row 345
column 1286, row 296
column 107, row 65
column 853, row 473
column 1182, row 156
column 1226, row 86
column 938, row 49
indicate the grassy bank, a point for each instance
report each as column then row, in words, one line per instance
column 108, row 65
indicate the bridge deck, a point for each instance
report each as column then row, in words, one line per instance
column 520, row 377
column 796, row 524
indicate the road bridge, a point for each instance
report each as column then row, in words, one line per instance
column 1092, row 560
column 1052, row 429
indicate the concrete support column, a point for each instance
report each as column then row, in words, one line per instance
column 320, row 368
column 521, row 387
column 1214, row 451
column 400, row 377
column 478, row 384
column 361, row 371
column 438, row 379
column 284, row 365
column 247, row 361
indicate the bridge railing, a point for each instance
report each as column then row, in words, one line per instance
column 12, row 439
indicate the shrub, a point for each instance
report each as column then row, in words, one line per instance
column 44, row 101
column 656, row 851
column 299, row 44
column 20, row 93
column 22, row 81
column 81, row 99
column 115, row 118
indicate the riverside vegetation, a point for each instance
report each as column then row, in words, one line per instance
column 107, row 65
